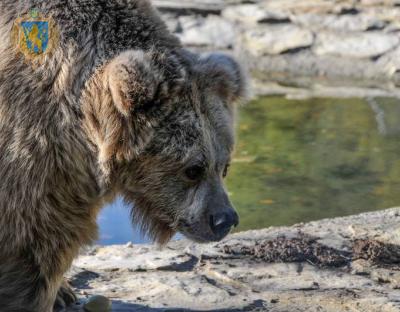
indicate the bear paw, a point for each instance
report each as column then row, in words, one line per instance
column 65, row 297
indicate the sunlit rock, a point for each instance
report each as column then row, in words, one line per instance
column 276, row 39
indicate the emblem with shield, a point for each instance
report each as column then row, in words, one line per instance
column 35, row 35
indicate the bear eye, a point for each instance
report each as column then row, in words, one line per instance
column 225, row 172
column 195, row 173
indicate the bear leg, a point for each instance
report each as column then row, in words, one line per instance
column 29, row 283
column 65, row 297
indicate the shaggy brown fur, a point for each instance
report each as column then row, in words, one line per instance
column 118, row 108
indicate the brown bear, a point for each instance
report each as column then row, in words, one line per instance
column 117, row 108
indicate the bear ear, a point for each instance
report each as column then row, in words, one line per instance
column 140, row 80
column 126, row 100
column 224, row 76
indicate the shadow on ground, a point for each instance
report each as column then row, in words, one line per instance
column 120, row 306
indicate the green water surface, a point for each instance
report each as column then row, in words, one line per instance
column 302, row 160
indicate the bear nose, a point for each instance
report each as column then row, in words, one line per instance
column 222, row 222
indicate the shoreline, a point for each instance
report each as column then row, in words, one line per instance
column 327, row 265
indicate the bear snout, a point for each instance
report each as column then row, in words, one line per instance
column 222, row 222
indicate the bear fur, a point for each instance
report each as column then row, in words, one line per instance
column 118, row 108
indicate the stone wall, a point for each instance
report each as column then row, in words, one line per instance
column 346, row 41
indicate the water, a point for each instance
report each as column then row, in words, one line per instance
column 305, row 160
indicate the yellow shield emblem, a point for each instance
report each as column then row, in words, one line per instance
column 35, row 36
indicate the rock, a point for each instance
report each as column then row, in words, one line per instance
column 276, row 39
column 384, row 13
column 211, row 31
column 97, row 304
column 331, row 265
column 172, row 21
column 251, row 13
column 128, row 244
column 392, row 28
column 347, row 23
column 196, row 6
column 378, row 2
column 354, row 45
column 299, row 7
column 390, row 61
column 132, row 259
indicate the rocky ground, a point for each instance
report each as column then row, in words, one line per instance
column 343, row 264
column 353, row 42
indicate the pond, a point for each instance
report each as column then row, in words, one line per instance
column 302, row 160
